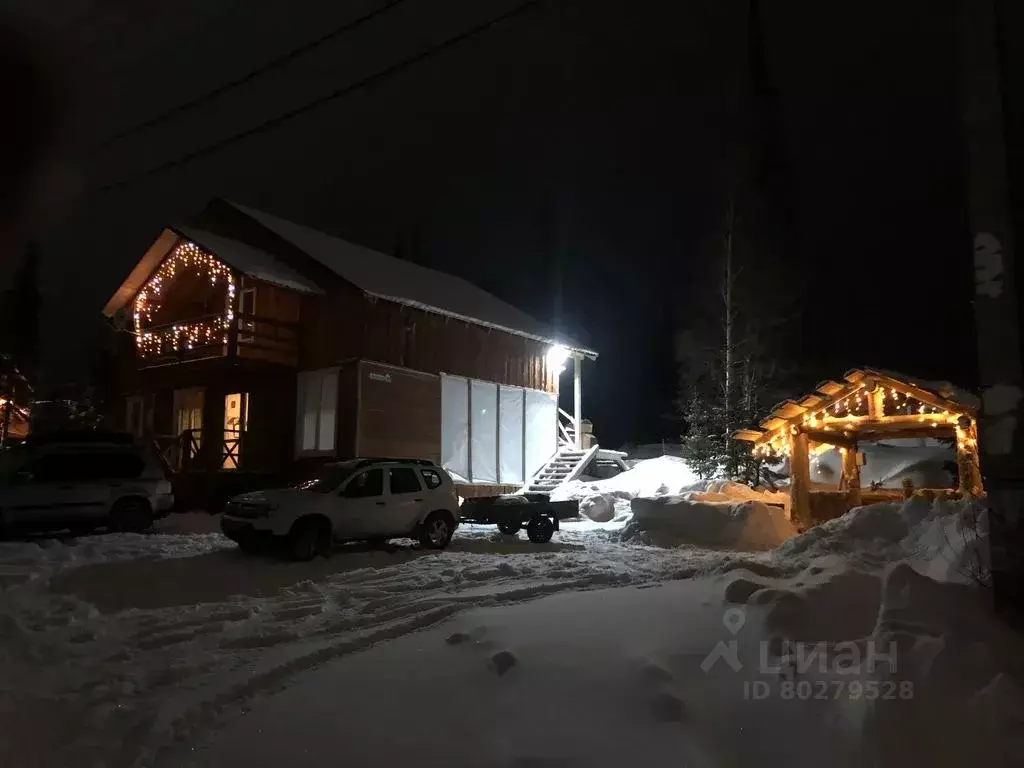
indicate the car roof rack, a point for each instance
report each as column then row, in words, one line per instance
column 382, row 460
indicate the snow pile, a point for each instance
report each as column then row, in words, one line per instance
column 669, row 521
column 944, row 538
column 608, row 500
column 965, row 670
column 889, row 597
column 888, row 464
column 22, row 561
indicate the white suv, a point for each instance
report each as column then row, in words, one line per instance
column 82, row 481
column 369, row 499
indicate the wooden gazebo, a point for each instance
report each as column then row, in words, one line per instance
column 866, row 406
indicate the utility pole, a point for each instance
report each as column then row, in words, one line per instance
column 986, row 103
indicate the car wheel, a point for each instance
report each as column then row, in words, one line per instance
column 131, row 516
column 436, row 531
column 509, row 527
column 309, row 538
column 540, row 530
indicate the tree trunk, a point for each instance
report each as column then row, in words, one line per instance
column 727, row 296
column 986, row 97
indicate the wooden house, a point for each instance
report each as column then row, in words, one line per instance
column 254, row 343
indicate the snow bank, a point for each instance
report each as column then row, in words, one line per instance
column 889, row 464
column 608, row 500
column 945, row 539
column 669, row 521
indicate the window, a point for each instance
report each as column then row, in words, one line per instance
column 403, row 480
column 188, row 415
column 362, row 486
column 246, row 310
column 325, row 479
column 431, row 478
column 316, row 411
column 135, row 416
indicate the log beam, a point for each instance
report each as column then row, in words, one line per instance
column 923, row 395
column 800, row 481
column 837, row 439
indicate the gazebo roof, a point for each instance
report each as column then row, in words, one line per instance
column 868, row 403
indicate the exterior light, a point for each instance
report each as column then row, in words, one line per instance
column 557, row 356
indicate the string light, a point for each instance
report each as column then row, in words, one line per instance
column 186, row 257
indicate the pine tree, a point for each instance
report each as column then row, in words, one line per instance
column 702, row 443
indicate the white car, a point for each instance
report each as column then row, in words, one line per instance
column 368, row 499
column 82, row 481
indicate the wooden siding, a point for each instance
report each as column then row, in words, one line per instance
column 351, row 325
column 346, row 442
column 274, row 327
column 399, row 412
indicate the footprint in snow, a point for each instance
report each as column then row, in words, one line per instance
column 668, row 707
column 502, row 662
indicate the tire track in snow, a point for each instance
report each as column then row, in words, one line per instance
column 145, row 679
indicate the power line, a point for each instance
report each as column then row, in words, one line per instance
column 284, row 117
column 252, row 75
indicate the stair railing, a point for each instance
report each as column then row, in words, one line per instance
column 566, row 430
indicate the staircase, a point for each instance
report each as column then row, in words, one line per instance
column 567, row 464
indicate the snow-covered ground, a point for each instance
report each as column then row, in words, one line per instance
column 115, row 647
column 172, row 650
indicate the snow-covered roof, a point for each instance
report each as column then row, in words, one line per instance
column 812, row 412
column 394, row 279
column 943, row 389
column 239, row 256
column 247, row 260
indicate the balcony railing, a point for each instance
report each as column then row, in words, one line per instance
column 253, row 336
column 191, row 450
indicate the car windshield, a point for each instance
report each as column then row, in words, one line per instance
column 326, row 478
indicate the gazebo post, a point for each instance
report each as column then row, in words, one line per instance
column 967, row 458
column 800, row 480
column 851, row 474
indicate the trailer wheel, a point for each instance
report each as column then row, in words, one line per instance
column 509, row 527
column 540, row 530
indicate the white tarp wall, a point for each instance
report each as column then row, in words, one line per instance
column 483, row 432
column 488, row 431
column 510, row 435
column 540, row 429
column 455, row 425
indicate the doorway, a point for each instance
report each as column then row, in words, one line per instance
column 188, row 420
column 236, row 422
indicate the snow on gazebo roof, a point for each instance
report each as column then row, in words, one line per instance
column 868, row 402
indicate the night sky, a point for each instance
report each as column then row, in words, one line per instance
column 569, row 160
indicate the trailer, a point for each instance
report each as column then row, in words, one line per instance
column 512, row 512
